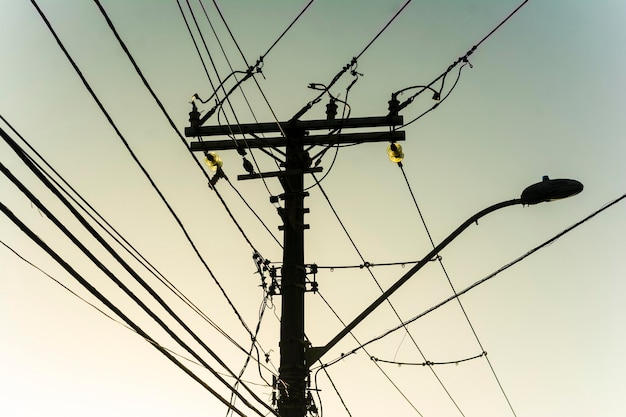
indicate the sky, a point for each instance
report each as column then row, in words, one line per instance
column 544, row 95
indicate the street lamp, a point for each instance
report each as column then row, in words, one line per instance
column 544, row 191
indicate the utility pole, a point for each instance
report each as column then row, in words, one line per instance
column 293, row 397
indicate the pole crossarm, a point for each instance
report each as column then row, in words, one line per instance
column 271, row 127
column 334, row 139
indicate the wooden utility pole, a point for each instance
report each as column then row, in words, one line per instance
column 293, row 400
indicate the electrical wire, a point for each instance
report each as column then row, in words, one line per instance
column 28, row 232
column 134, row 157
column 383, row 29
column 443, row 268
column 101, row 311
column 430, row 363
column 243, row 94
column 350, row 65
column 107, row 272
column 485, row 279
column 249, row 356
column 246, row 62
column 436, row 105
column 118, row 238
column 286, row 30
column 388, row 301
column 463, row 59
column 344, row 116
column 253, row 211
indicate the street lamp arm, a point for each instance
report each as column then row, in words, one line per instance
column 315, row 353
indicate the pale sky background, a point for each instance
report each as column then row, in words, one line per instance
column 545, row 96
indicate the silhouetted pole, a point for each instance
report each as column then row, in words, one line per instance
column 293, row 370
column 293, row 396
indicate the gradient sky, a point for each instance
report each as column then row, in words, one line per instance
column 544, row 96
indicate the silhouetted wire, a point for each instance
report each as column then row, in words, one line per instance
column 286, row 30
column 243, row 94
column 443, row 268
column 65, row 287
column 464, row 59
column 232, row 36
column 226, row 98
column 115, row 235
column 485, row 279
column 430, row 363
column 118, row 258
column 206, row 49
column 388, row 301
column 249, row 356
column 456, row 81
column 366, row 265
column 112, row 231
column 319, row 293
column 166, row 203
column 253, row 211
column 350, row 65
column 337, row 131
column 332, row 383
column 383, row 29
column 134, row 157
column 195, row 44
column 28, row 232
column 101, row 311
column 215, row 90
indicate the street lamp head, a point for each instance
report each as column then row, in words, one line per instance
column 549, row 190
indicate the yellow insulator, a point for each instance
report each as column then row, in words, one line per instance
column 213, row 161
column 395, row 152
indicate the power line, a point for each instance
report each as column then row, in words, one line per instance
column 350, row 66
column 430, row 363
column 445, row 272
column 383, row 29
column 390, row 305
column 286, row 30
column 485, row 279
column 115, row 235
column 115, row 255
column 134, row 157
column 112, row 307
column 165, row 113
column 463, row 59
column 101, row 311
column 65, row 286
column 238, row 85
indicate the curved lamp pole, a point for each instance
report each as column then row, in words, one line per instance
column 546, row 190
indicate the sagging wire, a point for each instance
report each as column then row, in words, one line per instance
column 429, row 363
column 367, row 264
column 119, row 322
column 255, row 69
column 481, row 281
column 331, row 113
column 332, row 383
column 438, row 100
column 393, row 309
column 89, row 228
column 326, row 88
column 36, row 239
column 117, row 237
column 464, row 59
